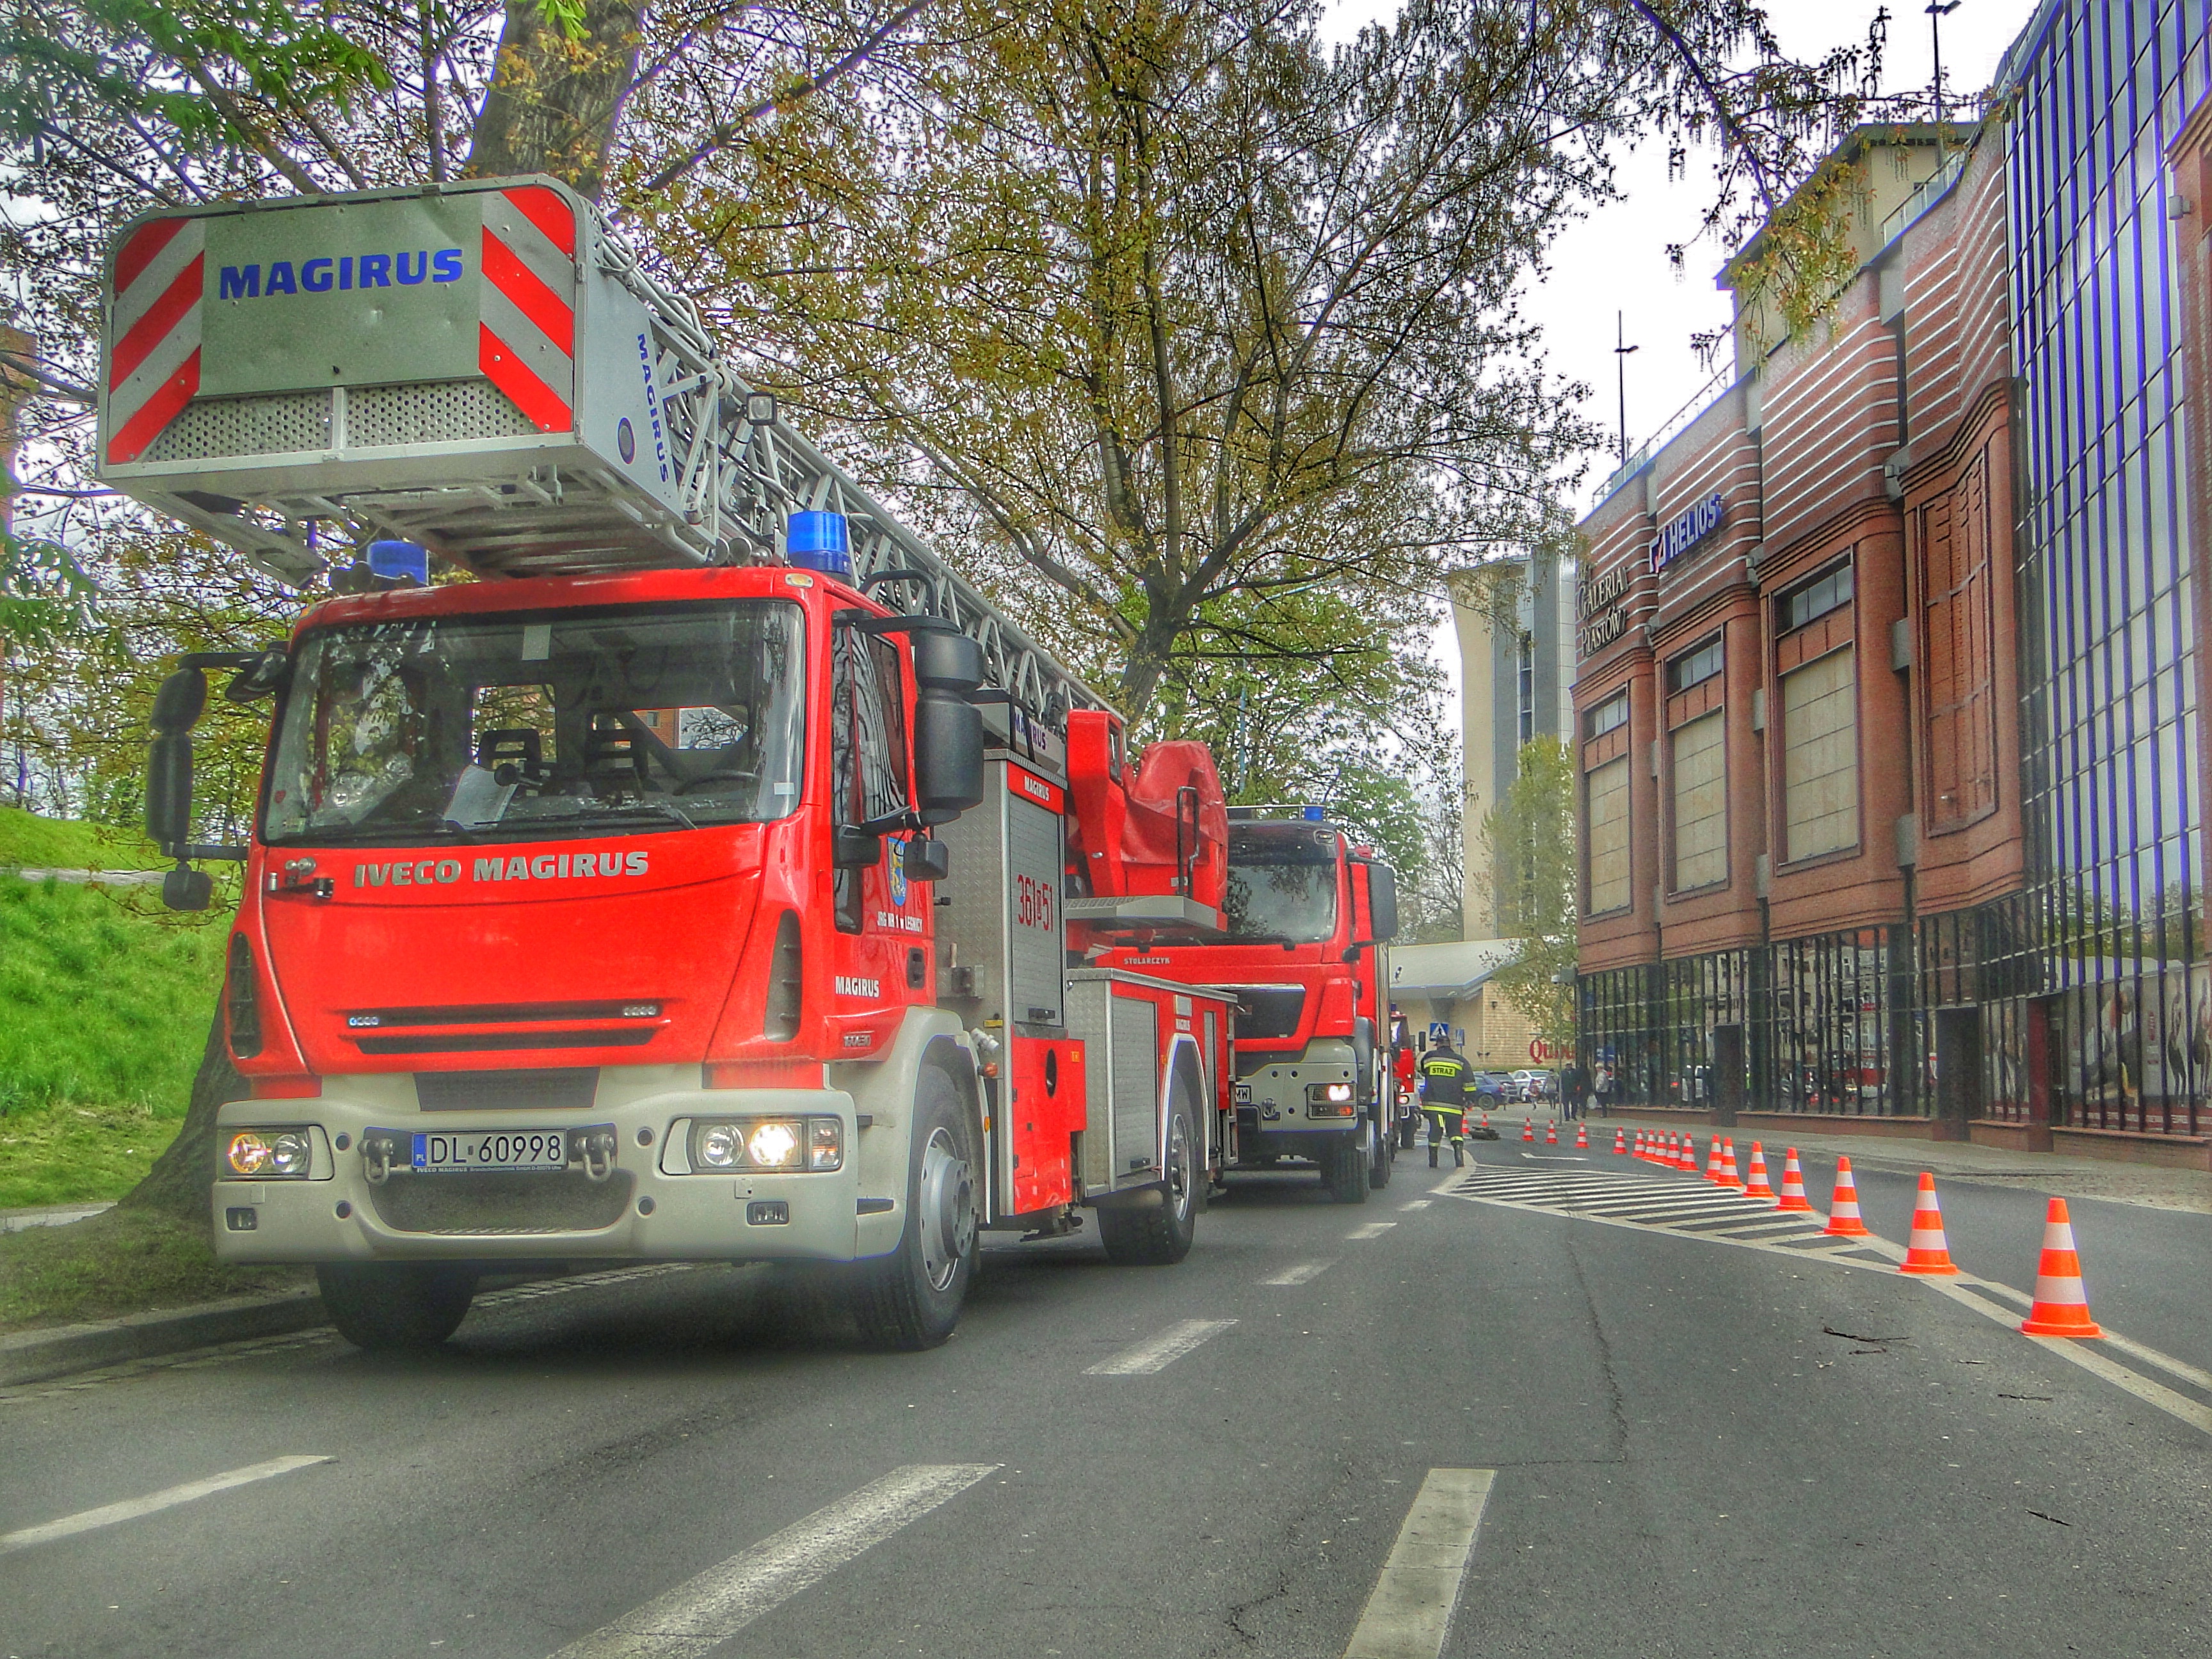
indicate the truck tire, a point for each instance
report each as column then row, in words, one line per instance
column 1344, row 1171
column 395, row 1307
column 910, row 1299
column 1160, row 1235
column 1386, row 1154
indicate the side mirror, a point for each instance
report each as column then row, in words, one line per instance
column 855, row 848
column 187, row 889
column 169, row 791
column 925, row 860
column 1382, row 901
column 179, row 703
column 945, row 661
column 948, row 754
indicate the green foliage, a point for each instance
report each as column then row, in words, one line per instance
column 1530, row 840
column 28, row 841
column 46, row 595
column 107, row 998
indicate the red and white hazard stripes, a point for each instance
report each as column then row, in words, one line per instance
column 526, row 337
column 154, row 332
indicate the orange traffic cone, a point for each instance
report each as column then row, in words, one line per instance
column 1485, row 1124
column 1528, row 1129
column 1552, row 1133
column 1927, row 1251
column 1713, row 1163
column 1843, row 1219
column 1582, row 1137
column 1619, row 1142
column 2061, row 1308
column 1793, row 1197
column 1685, row 1155
column 1755, row 1185
column 1730, row 1178
column 1642, row 1147
column 1668, row 1157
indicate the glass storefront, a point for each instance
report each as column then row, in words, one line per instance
column 2109, row 726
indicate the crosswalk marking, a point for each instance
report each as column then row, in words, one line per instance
column 1409, row 1614
column 702, row 1613
column 1157, row 1353
column 1299, row 1274
column 1638, row 1200
column 1372, row 1229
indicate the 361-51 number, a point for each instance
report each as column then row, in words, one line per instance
column 1033, row 902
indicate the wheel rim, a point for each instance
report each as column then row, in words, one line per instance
column 1179, row 1187
column 948, row 1209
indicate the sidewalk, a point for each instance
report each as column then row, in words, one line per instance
column 48, row 1215
column 2154, row 1186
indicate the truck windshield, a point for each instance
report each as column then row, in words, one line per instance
column 567, row 723
column 1282, row 882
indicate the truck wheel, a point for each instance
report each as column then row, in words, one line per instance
column 1161, row 1236
column 396, row 1306
column 1344, row 1169
column 910, row 1299
column 1386, row 1154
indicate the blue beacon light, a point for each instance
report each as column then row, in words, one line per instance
column 819, row 541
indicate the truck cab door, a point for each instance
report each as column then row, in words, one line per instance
column 879, row 954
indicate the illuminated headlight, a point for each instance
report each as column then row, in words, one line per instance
column 1328, row 1093
column 269, row 1154
column 774, row 1143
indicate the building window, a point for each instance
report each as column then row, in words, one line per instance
column 1607, row 813
column 1831, row 591
column 1525, row 684
column 1695, row 667
column 1820, row 757
column 1608, row 716
column 1955, row 535
column 1701, row 771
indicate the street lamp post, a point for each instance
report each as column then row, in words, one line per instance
column 1620, row 351
column 1937, row 11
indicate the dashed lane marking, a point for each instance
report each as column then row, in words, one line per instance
column 1372, row 1229
column 1157, row 1353
column 1417, row 1204
column 1409, row 1614
column 1301, row 1273
column 702, row 1613
column 167, row 1498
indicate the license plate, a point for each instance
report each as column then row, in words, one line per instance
column 490, row 1149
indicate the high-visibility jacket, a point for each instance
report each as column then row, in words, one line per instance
column 1443, row 1080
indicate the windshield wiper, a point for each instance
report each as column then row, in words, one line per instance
column 1282, row 939
column 665, row 808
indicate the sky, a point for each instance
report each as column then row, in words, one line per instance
column 1614, row 260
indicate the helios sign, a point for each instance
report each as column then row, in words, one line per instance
column 1686, row 530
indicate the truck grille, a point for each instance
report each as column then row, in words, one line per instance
column 495, row 1203
column 549, row 1088
column 1269, row 1011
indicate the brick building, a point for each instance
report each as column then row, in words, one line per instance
column 1890, row 693
column 1797, row 696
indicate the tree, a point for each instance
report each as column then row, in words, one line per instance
column 1530, row 839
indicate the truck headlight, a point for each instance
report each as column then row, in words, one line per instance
column 772, row 1143
column 269, row 1154
column 1329, row 1100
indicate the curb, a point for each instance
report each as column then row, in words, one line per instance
column 40, row 1356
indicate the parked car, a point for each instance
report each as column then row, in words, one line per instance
column 1494, row 1086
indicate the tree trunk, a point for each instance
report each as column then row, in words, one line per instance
column 554, row 99
column 181, row 1177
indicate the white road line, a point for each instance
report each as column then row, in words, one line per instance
column 1157, row 1353
column 1417, row 1204
column 108, row 1514
column 1410, row 1613
column 702, row 1613
column 1301, row 1273
column 1372, row 1229
column 2084, row 1354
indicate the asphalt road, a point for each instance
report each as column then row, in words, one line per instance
column 1696, row 1449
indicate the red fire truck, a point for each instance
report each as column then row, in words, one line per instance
column 1308, row 911
column 692, row 885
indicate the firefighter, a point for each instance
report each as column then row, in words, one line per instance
column 1444, row 1098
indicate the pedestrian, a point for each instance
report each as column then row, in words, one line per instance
column 1601, row 1086
column 1443, row 1099
column 1571, row 1088
column 1402, row 1059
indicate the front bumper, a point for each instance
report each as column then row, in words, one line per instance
column 645, row 1208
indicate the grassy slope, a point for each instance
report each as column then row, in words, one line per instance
column 107, row 999
column 121, row 1261
column 29, row 840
